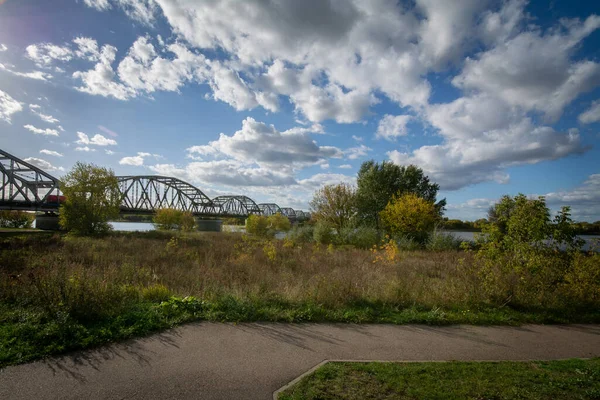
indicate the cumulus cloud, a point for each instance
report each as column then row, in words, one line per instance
column 8, row 106
column 390, row 126
column 44, row 54
column 584, row 199
column 42, row 164
column 591, row 115
column 231, row 173
column 534, row 70
column 97, row 140
column 39, row 131
column 139, row 10
column 51, row 153
column 263, row 144
column 3, row 47
column 345, row 166
column 137, row 160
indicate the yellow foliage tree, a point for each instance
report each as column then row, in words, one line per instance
column 409, row 215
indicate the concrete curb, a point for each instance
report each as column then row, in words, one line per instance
column 319, row 365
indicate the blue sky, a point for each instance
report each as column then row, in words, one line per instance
column 275, row 98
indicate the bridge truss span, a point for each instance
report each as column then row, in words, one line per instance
column 236, row 206
column 150, row 193
column 25, row 186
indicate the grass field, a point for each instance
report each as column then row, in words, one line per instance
column 60, row 293
column 569, row 379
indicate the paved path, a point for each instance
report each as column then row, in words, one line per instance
column 251, row 361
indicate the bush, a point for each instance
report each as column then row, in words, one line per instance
column 407, row 243
column 301, row 234
column 323, row 233
column 171, row 219
column 440, row 241
column 362, row 237
column 16, row 219
column 279, row 222
column 258, row 225
column 410, row 216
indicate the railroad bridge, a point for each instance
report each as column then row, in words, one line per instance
column 29, row 188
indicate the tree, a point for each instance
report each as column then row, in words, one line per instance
column 170, row 219
column 334, row 204
column 378, row 183
column 279, row 222
column 92, row 199
column 257, row 225
column 411, row 216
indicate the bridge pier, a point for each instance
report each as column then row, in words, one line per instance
column 209, row 225
column 47, row 222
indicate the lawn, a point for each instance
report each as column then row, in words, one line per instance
column 568, row 379
column 61, row 293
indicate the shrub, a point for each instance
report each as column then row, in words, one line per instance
column 156, row 293
column 323, row 232
column 16, row 219
column 171, row 219
column 440, row 241
column 301, row 234
column 279, row 222
column 410, row 216
column 362, row 237
column 258, row 225
column 187, row 222
column 407, row 243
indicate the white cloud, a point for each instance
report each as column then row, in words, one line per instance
column 37, row 75
column 467, row 157
column 390, row 126
column 3, row 47
column 231, row 173
column 97, row 140
column 38, row 131
column 133, row 160
column 357, row 138
column 8, row 106
column 353, row 153
column 345, row 166
column 42, row 164
column 87, row 48
column 139, row 10
column 35, row 109
column 109, row 152
column 100, row 79
column 44, row 54
column 51, row 153
column 84, row 148
column 137, row 160
column 534, row 70
column 591, row 115
column 263, row 144
column 100, row 5
column 584, row 199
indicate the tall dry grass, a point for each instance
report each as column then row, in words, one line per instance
column 96, row 275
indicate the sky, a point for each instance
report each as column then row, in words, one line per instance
column 275, row 98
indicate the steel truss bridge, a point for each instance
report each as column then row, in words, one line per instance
column 27, row 187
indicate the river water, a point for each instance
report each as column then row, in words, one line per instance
column 468, row 236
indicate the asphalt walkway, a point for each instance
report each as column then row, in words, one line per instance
column 251, row 361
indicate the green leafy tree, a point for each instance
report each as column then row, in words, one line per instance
column 378, row 183
column 171, row 219
column 335, row 204
column 92, row 199
column 257, row 225
column 410, row 216
column 167, row 219
column 279, row 222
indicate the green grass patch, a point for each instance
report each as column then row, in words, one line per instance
column 569, row 379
